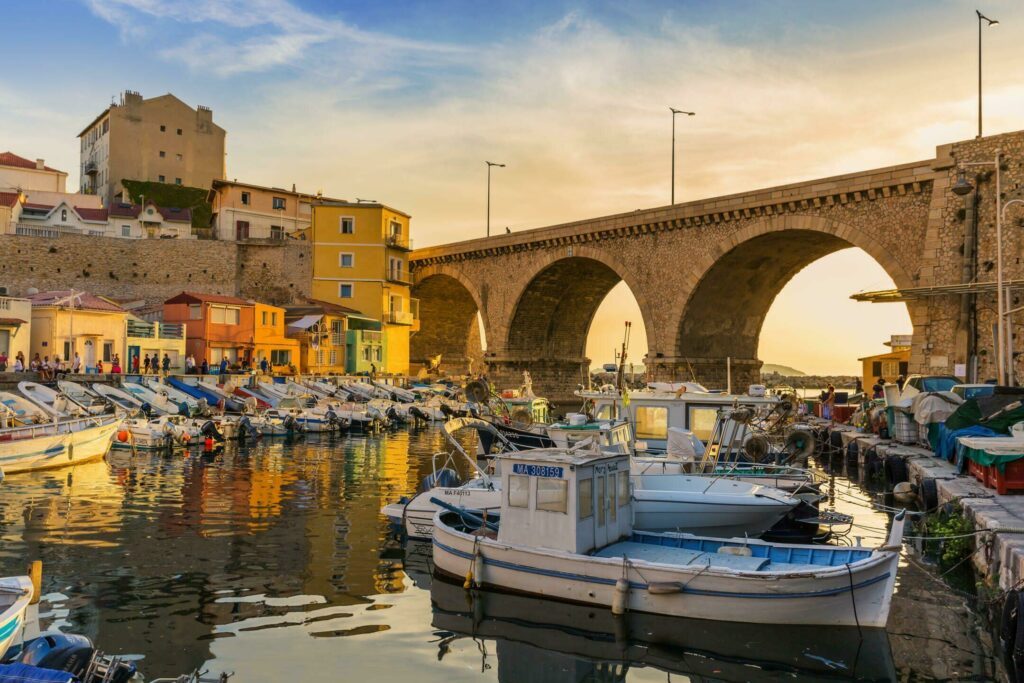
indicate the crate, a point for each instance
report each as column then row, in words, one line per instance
column 904, row 429
column 1010, row 479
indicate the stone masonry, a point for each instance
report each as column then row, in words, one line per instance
column 705, row 273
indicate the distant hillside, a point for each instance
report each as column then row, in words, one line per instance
column 784, row 370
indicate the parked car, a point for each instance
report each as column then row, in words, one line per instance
column 969, row 391
column 917, row 384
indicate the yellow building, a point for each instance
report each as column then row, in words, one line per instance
column 270, row 342
column 889, row 365
column 144, row 338
column 321, row 329
column 67, row 322
column 360, row 261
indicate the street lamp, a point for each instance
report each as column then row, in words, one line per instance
column 489, row 164
column 674, row 112
column 991, row 22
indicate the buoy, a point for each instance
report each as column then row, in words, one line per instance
column 620, row 596
column 478, row 569
column 122, row 436
column 35, row 573
column 468, row 583
column 208, row 444
column 904, row 492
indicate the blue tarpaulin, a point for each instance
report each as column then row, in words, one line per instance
column 946, row 446
column 23, row 673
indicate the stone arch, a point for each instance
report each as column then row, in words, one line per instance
column 558, row 299
column 449, row 306
column 733, row 287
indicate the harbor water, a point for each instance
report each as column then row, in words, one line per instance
column 273, row 562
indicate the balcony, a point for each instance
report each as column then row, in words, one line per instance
column 400, row 318
column 144, row 330
column 90, row 168
column 399, row 276
column 398, row 241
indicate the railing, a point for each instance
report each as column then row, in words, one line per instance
column 90, row 168
column 53, row 231
column 172, row 331
column 398, row 241
column 399, row 276
column 337, row 339
column 371, row 336
column 400, row 318
column 141, row 330
column 154, row 330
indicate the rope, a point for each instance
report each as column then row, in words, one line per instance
column 853, row 600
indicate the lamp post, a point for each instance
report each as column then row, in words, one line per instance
column 991, row 22
column 674, row 112
column 489, row 165
column 963, row 187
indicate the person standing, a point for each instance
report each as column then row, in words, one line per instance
column 145, row 365
column 3, row 361
column 828, row 402
column 205, row 368
column 224, row 365
column 99, row 367
column 167, row 365
column 76, row 365
column 264, row 366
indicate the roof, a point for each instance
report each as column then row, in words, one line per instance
column 12, row 321
column 85, row 213
column 198, row 297
column 9, row 199
column 560, row 456
column 83, row 300
column 96, row 120
column 316, row 306
column 172, row 214
column 219, row 183
column 13, row 160
column 324, row 201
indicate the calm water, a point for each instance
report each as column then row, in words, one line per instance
column 274, row 563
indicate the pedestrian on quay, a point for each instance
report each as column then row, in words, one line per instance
column 205, row 370
column 828, row 401
column 135, row 363
column 44, row 369
column 878, row 389
column 115, row 366
column 36, row 362
column 76, row 365
column 99, row 367
column 264, row 365
column 145, row 365
column 900, row 381
column 224, row 365
column 3, row 361
column 373, row 371
column 167, row 365
column 19, row 363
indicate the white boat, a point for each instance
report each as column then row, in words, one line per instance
column 161, row 403
column 81, row 395
column 53, row 402
column 176, row 395
column 18, row 411
column 56, row 444
column 397, row 394
column 565, row 532
column 15, row 596
column 122, row 399
column 164, row 432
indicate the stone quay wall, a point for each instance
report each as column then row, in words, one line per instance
column 156, row 270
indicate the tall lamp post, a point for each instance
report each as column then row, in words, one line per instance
column 674, row 112
column 991, row 22
column 489, row 165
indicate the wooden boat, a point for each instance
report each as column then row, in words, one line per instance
column 56, row 444
column 565, row 532
column 15, row 596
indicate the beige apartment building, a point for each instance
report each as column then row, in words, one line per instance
column 160, row 139
column 243, row 211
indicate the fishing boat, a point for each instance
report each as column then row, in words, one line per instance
column 18, row 411
column 56, row 444
column 160, row 402
column 81, row 395
column 565, row 532
column 15, row 596
column 53, row 402
column 222, row 398
column 263, row 401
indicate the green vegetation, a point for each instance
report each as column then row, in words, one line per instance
column 173, row 196
column 943, row 527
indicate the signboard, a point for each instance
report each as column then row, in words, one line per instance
column 537, row 470
column 898, row 341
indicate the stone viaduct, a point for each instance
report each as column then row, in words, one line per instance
column 705, row 273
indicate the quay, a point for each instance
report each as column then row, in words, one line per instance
column 999, row 555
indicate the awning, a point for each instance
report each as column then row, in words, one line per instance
column 12, row 321
column 306, row 322
column 913, row 293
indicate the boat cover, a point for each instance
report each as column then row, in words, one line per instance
column 934, row 406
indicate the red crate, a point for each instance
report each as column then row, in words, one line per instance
column 977, row 471
column 1011, row 479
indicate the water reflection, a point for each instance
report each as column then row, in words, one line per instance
column 274, row 562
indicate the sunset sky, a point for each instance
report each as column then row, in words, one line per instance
column 403, row 101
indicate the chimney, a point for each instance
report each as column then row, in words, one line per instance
column 40, row 165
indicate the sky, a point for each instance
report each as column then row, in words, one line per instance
column 403, row 101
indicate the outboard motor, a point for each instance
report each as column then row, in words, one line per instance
column 59, row 651
column 446, row 477
column 392, row 414
column 246, row 429
column 210, row 431
column 147, row 410
column 418, row 415
column 202, row 407
column 447, row 410
column 290, row 423
column 332, row 419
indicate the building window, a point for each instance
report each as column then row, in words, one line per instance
column 623, row 486
column 241, row 230
column 652, row 423
column 108, row 351
column 195, row 311
column 276, row 232
column 264, row 317
column 224, row 315
column 346, row 260
column 126, row 231
column 163, row 129
column 345, row 290
column 177, row 181
column 280, row 357
column 179, row 131
column 396, row 229
column 67, row 350
column 178, row 157
column 162, row 179
column 245, row 198
column 334, row 357
column 278, row 202
column 553, row 494
column 347, row 225
column 106, row 126
column 273, row 318
column 63, row 215
column 162, row 154
column 518, row 491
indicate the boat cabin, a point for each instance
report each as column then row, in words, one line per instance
column 576, row 501
column 611, row 436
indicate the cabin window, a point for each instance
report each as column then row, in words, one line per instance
column 702, row 421
column 623, row 485
column 518, row 491
column 600, row 500
column 613, row 505
column 651, row 422
column 552, row 495
column 585, row 493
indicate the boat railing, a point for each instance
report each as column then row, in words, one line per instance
column 56, row 427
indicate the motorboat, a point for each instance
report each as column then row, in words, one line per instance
column 18, row 411
column 160, row 402
column 222, row 398
column 56, row 444
column 123, row 400
column 53, row 402
column 308, row 420
column 396, row 394
column 565, row 532
column 195, row 406
column 16, row 594
column 262, row 400
column 162, row 433
column 81, row 395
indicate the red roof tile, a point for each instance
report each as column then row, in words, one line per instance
column 196, row 297
column 91, row 214
column 8, row 199
column 84, row 300
column 13, row 160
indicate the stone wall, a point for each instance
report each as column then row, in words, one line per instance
column 155, row 270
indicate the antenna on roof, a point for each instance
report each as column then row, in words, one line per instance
column 365, row 201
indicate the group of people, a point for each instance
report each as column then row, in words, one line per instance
column 49, row 368
column 878, row 390
column 18, row 365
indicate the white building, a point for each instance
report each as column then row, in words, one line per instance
column 45, row 220
column 149, row 221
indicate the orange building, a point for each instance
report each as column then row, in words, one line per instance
column 216, row 326
column 270, row 341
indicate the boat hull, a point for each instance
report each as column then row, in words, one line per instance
column 665, row 511
column 67, row 443
column 12, row 616
column 417, row 516
column 858, row 594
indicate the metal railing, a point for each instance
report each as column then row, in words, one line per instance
column 146, row 330
column 371, row 336
column 400, row 318
column 53, row 231
column 398, row 241
column 172, row 330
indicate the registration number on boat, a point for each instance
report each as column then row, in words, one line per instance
column 538, row 470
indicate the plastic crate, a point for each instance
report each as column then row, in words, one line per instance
column 904, row 429
column 1010, row 479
